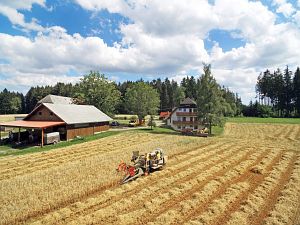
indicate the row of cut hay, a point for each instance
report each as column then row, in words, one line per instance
column 257, row 199
column 62, row 184
column 93, row 149
column 15, row 161
column 271, row 132
column 220, row 205
column 261, row 167
column 288, row 203
column 198, row 200
column 165, row 190
column 177, row 164
column 141, row 213
column 291, row 133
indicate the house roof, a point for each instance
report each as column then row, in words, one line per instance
column 74, row 114
column 55, row 99
column 164, row 114
column 188, row 101
column 173, row 110
column 31, row 124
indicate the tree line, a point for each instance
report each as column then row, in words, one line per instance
column 278, row 93
column 138, row 97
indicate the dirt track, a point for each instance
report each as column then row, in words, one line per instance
column 251, row 175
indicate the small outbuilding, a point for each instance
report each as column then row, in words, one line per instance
column 59, row 114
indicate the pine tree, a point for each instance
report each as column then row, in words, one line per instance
column 209, row 99
column 287, row 92
column 296, row 91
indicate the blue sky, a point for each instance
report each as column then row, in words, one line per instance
column 44, row 41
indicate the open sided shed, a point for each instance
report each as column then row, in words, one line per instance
column 70, row 120
column 40, row 125
column 80, row 120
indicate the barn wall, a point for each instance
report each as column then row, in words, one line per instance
column 101, row 128
column 44, row 116
column 87, row 129
column 73, row 132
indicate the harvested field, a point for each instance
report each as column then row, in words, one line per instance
column 251, row 175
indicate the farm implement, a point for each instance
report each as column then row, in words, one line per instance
column 142, row 164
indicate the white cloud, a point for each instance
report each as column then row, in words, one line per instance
column 24, row 4
column 297, row 18
column 9, row 8
column 163, row 37
column 284, row 7
column 56, row 52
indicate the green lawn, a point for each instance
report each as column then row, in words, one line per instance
column 8, row 150
column 263, row 120
column 157, row 130
column 217, row 131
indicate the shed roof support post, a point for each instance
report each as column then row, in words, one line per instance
column 19, row 135
column 42, row 143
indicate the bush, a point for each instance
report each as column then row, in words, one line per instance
column 151, row 123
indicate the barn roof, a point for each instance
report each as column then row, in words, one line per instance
column 55, row 99
column 72, row 114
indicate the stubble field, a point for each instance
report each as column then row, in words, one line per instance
column 250, row 175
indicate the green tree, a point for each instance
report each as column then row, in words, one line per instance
column 142, row 99
column 209, row 99
column 288, row 90
column 296, row 91
column 190, row 86
column 15, row 104
column 5, row 102
column 95, row 89
column 178, row 94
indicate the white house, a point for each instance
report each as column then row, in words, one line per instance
column 185, row 116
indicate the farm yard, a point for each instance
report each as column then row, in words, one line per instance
column 249, row 175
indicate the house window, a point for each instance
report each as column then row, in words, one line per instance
column 40, row 113
column 179, row 127
column 184, row 110
column 191, row 110
column 183, row 118
column 51, row 113
column 191, row 119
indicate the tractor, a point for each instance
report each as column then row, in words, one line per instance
column 142, row 164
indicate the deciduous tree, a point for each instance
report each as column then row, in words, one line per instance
column 142, row 99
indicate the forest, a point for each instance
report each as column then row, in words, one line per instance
column 278, row 94
column 114, row 98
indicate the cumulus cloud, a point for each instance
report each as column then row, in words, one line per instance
column 297, row 18
column 9, row 8
column 284, row 7
column 163, row 37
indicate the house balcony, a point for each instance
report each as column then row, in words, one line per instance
column 186, row 114
column 175, row 122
